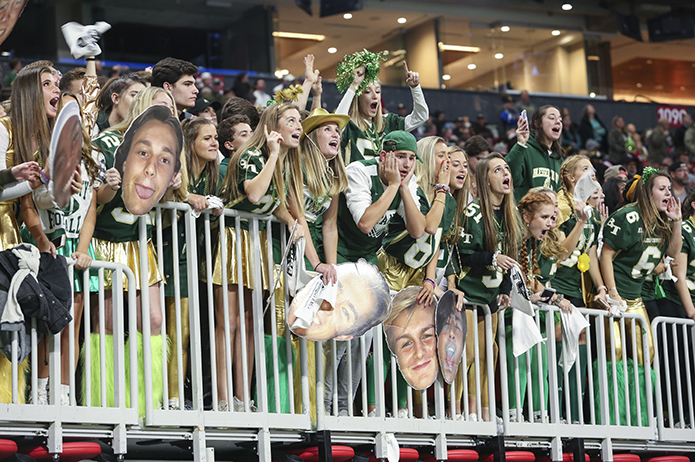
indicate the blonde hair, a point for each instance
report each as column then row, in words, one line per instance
column 377, row 122
column 566, row 169
column 426, row 171
column 288, row 170
column 512, row 219
column 461, row 196
column 404, row 301
column 318, row 179
column 551, row 245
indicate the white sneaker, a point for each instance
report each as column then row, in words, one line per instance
column 343, row 413
column 473, row 417
column 372, row 413
column 402, row 413
column 223, row 406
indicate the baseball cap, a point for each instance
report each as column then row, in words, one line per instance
column 202, row 104
column 614, row 171
column 399, row 140
column 676, row 165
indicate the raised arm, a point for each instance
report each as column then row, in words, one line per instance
column 421, row 112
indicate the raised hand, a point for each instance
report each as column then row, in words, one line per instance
column 673, row 209
column 358, row 77
column 309, row 73
column 444, row 174
column 522, row 131
column 411, row 78
column 273, row 139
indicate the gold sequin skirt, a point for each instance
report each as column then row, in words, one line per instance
column 398, row 275
column 127, row 253
column 9, row 230
column 247, row 262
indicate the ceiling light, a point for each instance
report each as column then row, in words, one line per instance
column 278, row 74
column 347, row 16
column 332, row 50
column 464, row 49
column 504, row 28
column 472, row 66
column 555, row 32
column 402, row 20
column 567, row 6
column 499, row 56
column 297, row 35
column 592, row 95
column 284, row 72
column 592, row 58
column 446, row 77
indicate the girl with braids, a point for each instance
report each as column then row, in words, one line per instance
column 363, row 136
column 263, row 177
column 538, row 254
column 76, row 223
column 200, row 154
column 634, row 240
column 580, row 233
column 486, row 249
column 116, row 239
column 536, row 157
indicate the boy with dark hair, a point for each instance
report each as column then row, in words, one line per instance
column 232, row 133
column 236, row 105
column 178, row 77
column 72, row 83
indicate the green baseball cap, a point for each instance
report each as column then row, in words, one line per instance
column 399, row 140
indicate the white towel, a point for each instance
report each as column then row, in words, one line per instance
column 520, row 299
column 572, row 326
column 308, row 301
column 525, row 332
column 668, row 275
column 214, row 203
column 29, row 262
column 296, row 275
column 82, row 40
column 585, row 187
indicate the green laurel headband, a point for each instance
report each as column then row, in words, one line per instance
column 345, row 70
column 647, row 172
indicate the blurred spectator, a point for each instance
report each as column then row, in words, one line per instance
column 448, row 135
column 596, row 158
column 689, row 140
column 117, row 71
column 666, row 162
column 617, row 139
column 241, row 86
column 508, row 116
column 524, row 103
column 631, row 164
column 613, row 190
column 660, row 142
column 462, row 130
column 591, row 128
column 480, row 127
column 571, row 141
column 679, row 134
column 15, row 66
column 262, row 97
column 615, row 171
column 639, row 151
column 439, row 120
column 206, row 109
column 402, row 110
column 205, row 81
column 679, row 176
column 476, row 148
column 72, row 83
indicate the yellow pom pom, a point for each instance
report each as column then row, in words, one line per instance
column 583, row 263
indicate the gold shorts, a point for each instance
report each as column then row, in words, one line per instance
column 246, row 259
column 635, row 306
column 9, row 231
column 398, row 275
column 127, row 253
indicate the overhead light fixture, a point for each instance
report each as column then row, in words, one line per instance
column 499, row 56
column 567, row 6
column 300, row 36
column 504, row 28
column 332, row 50
column 402, row 20
column 592, row 58
column 347, row 16
column 639, row 85
column 446, row 77
column 463, row 49
column 472, row 66
column 284, row 72
column 278, row 74
column 555, row 32
column 592, row 95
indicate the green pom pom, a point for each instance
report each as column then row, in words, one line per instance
column 345, row 70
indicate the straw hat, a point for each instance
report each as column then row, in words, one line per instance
column 321, row 116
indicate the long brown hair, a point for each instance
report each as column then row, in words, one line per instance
column 462, row 197
column 287, row 171
column 512, row 219
column 191, row 128
column 656, row 223
column 30, row 126
column 536, row 129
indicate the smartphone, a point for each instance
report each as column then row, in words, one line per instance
column 603, row 303
column 59, row 241
column 523, row 116
column 548, row 293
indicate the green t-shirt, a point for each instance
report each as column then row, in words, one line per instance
column 636, row 256
column 365, row 188
column 568, row 279
column 688, row 249
column 358, row 145
column 114, row 223
column 417, row 253
column 480, row 285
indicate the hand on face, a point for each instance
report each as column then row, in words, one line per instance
column 444, row 175
column 673, row 209
column 389, row 167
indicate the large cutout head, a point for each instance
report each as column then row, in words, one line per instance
column 149, row 158
column 65, row 152
column 361, row 301
column 411, row 337
column 451, row 335
column 10, row 10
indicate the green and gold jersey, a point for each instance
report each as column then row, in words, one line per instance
column 689, row 250
column 251, row 163
column 223, row 172
column 568, row 279
column 547, row 267
column 314, row 207
column 358, row 145
column 365, row 188
column 636, row 256
column 417, row 253
column 114, row 223
column 480, row 285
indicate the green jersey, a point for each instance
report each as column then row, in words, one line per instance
column 417, row 253
column 115, row 223
column 223, row 172
column 531, row 166
column 689, row 250
column 251, row 163
column 365, row 188
column 359, row 145
column 480, row 285
column 568, row 280
column 547, row 267
column 636, row 256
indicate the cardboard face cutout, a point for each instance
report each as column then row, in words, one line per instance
column 411, row 337
column 149, row 158
column 347, row 309
column 65, row 152
column 10, row 10
column 451, row 335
